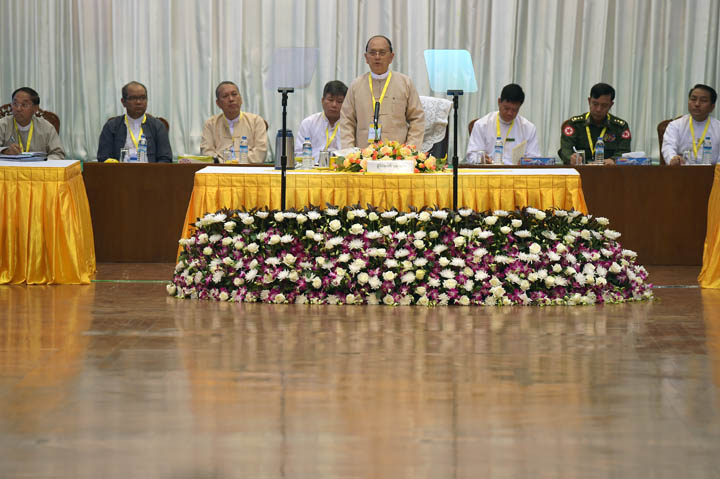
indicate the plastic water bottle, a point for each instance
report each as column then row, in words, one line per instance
column 307, row 161
column 244, row 150
column 498, row 157
column 142, row 150
column 707, row 151
column 599, row 151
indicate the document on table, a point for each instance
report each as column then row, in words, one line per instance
column 518, row 152
column 31, row 156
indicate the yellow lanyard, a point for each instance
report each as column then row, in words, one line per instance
column 702, row 137
column 384, row 90
column 132, row 137
column 329, row 139
column 26, row 148
column 587, row 130
column 497, row 126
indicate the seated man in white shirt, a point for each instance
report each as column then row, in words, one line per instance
column 322, row 127
column 688, row 132
column 23, row 132
column 512, row 128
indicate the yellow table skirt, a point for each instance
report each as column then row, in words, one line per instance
column 710, row 273
column 46, row 232
column 480, row 192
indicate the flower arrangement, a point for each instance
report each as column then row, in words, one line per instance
column 425, row 257
column 386, row 151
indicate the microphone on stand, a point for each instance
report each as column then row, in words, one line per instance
column 375, row 118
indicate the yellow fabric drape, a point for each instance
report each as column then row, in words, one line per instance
column 710, row 274
column 46, row 232
column 212, row 192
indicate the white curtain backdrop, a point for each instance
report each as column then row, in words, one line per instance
column 78, row 53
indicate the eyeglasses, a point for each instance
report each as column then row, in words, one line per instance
column 377, row 53
column 137, row 98
column 23, row 105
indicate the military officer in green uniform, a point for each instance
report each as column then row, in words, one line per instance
column 580, row 132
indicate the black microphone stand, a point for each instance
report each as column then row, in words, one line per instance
column 283, row 156
column 455, row 94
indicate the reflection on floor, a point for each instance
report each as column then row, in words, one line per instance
column 117, row 380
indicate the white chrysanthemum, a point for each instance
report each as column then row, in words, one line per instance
column 400, row 235
column 465, row 212
column 553, row 256
column 251, row 274
column 274, row 239
column 262, row 214
column 615, row 268
column 286, row 239
column 389, row 214
column 373, row 235
column 279, row 216
column 479, row 253
column 390, row 263
column 344, row 258
column 450, row 284
column 313, row 215
column 317, row 237
column 247, row 220
column 356, row 244
column 628, row 253
column 585, row 234
column 505, row 230
column 500, row 213
column 420, row 262
column 408, row 277
column 439, row 214
column 433, row 282
column 457, row 262
column 481, row 275
column 611, row 235
column 494, row 282
column 447, row 273
column 443, row 261
column 439, row 248
column 331, row 212
column 602, row 220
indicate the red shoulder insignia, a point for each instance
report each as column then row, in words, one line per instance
column 568, row 130
column 626, row 134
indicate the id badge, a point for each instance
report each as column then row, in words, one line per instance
column 373, row 135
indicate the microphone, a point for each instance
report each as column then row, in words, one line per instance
column 375, row 117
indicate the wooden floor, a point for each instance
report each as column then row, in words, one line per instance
column 117, row 380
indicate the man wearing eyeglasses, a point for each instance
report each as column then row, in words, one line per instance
column 125, row 131
column 23, row 132
column 580, row 133
column 223, row 132
column 382, row 104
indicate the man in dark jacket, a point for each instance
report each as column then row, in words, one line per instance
column 124, row 131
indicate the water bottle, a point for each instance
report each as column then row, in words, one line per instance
column 142, row 150
column 307, row 161
column 498, row 157
column 244, row 150
column 599, row 151
column 707, row 151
